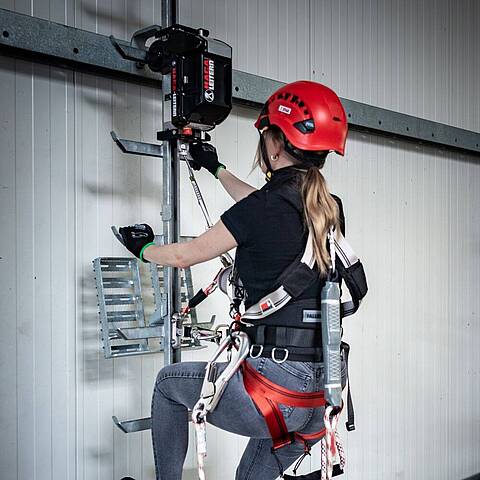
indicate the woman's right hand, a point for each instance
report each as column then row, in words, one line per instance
column 205, row 155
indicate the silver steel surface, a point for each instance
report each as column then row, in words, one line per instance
column 136, row 425
column 137, row 148
column 171, row 202
column 113, row 274
column 50, row 42
column 253, row 90
column 141, row 332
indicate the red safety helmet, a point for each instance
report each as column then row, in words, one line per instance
column 310, row 115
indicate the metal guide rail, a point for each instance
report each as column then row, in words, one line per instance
column 40, row 40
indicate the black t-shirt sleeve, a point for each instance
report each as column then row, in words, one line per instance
column 242, row 218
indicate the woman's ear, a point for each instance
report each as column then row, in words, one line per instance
column 273, row 146
column 278, row 147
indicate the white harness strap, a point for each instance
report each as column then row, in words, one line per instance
column 275, row 300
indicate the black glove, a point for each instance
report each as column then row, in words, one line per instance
column 137, row 238
column 205, row 155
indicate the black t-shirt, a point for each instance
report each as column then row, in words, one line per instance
column 269, row 229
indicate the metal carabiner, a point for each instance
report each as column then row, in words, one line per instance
column 213, row 388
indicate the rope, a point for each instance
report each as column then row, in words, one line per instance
column 331, row 445
column 201, row 434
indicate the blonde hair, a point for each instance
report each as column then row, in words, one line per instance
column 320, row 209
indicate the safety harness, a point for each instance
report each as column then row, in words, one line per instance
column 249, row 336
column 286, row 342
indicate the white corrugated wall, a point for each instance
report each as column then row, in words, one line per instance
column 412, row 214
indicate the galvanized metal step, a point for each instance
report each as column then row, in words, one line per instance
column 120, row 309
column 125, row 329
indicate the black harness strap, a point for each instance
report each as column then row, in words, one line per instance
column 303, row 344
column 350, row 423
column 356, row 281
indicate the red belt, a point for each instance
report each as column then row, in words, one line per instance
column 268, row 395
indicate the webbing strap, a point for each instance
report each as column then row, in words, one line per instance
column 298, row 277
column 304, row 344
column 268, row 395
column 285, row 337
column 350, row 423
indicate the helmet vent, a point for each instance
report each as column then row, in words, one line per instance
column 307, row 126
column 336, row 119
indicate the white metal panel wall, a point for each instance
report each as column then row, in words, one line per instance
column 415, row 365
column 63, row 184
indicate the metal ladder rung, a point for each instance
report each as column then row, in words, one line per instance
column 128, row 348
column 141, row 333
column 119, row 299
column 114, row 335
column 112, row 264
column 117, row 283
column 122, row 316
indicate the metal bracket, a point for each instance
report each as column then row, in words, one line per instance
column 137, row 148
column 136, row 50
column 130, row 426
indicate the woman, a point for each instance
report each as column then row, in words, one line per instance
column 299, row 125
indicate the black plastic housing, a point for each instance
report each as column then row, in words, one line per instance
column 201, row 75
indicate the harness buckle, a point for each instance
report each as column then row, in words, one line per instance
column 260, row 350
column 281, row 360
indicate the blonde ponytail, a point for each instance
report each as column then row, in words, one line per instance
column 321, row 213
column 319, row 207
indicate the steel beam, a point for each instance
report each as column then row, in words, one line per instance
column 41, row 40
column 252, row 90
column 44, row 41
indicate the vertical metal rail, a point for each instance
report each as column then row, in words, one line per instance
column 171, row 201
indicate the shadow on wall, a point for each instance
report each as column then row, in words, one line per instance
column 150, row 189
column 107, row 17
column 96, row 368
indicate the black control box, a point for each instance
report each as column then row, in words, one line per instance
column 201, row 75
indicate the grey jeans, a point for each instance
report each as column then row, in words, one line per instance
column 177, row 389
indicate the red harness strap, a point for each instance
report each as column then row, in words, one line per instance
column 268, row 395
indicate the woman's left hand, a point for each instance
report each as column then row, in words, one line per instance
column 137, row 237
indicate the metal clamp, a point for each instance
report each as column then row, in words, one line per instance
column 275, row 359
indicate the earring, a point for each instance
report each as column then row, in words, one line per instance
column 273, row 158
